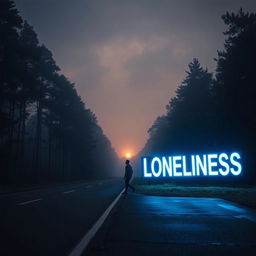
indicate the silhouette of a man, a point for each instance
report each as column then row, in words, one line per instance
column 128, row 176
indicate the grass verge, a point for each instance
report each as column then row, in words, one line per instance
column 241, row 195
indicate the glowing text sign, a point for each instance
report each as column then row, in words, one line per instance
column 195, row 165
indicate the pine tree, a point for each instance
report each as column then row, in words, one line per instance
column 235, row 87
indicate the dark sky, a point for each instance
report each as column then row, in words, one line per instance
column 127, row 57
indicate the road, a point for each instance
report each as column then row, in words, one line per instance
column 154, row 225
column 51, row 221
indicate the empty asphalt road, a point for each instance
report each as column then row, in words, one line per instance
column 51, row 221
column 153, row 225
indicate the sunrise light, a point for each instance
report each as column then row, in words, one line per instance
column 128, row 155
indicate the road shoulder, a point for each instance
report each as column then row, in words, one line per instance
column 153, row 225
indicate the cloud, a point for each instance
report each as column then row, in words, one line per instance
column 116, row 55
column 127, row 57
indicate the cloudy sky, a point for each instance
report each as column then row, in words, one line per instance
column 127, row 57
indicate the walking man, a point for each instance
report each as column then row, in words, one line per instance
column 128, row 176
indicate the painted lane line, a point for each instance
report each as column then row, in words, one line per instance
column 232, row 208
column 248, row 217
column 69, row 191
column 244, row 213
column 78, row 250
column 31, row 201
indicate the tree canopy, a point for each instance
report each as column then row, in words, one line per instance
column 215, row 112
column 46, row 131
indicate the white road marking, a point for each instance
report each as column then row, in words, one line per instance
column 31, row 201
column 248, row 217
column 245, row 214
column 78, row 250
column 232, row 207
column 69, row 191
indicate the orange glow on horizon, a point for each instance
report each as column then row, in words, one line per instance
column 128, row 155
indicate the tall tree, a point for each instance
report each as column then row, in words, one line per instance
column 186, row 124
column 10, row 23
column 236, row 83
column 46, row 132
column 216, row 114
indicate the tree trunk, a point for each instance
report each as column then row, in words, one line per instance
column 38, row 141
column 49, row 148
column 17, row 153
column 22, row 142
column 9, row 155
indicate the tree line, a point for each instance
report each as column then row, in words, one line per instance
column 215, row 112
column 46, row 132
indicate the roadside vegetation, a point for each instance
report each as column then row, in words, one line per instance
column 241, row 195
column 47, row 133
column 214, row 112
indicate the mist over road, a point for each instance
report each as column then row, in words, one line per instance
column 51, row 221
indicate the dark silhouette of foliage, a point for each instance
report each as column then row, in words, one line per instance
column 215, row 114
column 46, row 132
column 235, row 86
column 186, row 124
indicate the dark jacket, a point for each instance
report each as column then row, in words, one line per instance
column 128, row 171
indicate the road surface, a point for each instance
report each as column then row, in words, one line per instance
column 51, row 221
column 154, row 225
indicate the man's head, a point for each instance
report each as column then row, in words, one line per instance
column 127, row 161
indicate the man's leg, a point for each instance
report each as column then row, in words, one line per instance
column 130, row 186
column 126, row 186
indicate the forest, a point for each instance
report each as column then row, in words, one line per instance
column 215, row 112
column 46, row 131
column 48, row 134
